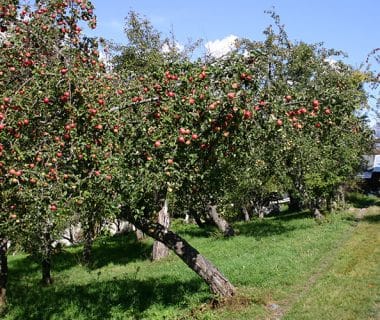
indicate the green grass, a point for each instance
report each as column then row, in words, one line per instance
column 287, row 266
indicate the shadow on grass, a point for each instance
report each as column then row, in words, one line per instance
column 290, row 215
column 372, row 218
column 129, row 297
column 195, row 231
column 120, row 249
column 359, row 200
column 276, row 225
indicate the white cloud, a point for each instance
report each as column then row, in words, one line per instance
column 333, row 63
column 166, row 49
column 218, row 48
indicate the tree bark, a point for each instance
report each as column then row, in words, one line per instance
column 3, row 273
column 217, row 282
column 295, row 203
column 220, row 222
column 161, row 251
column 246, row 214
column 46, row 271
column 317, row 214
column 46, row 256
column 88, row 241
column 315, row 210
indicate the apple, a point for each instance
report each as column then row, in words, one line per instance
column 53, row 207
column 202, row 75
column 288, row 98
column 247, row 114
column 327, row 111
column 181, row 139
column 315, row 103
column 170, row 161
column 93, row 111
column 279, row 122
column 194, row 136
column 157, row 144
column 231, row 95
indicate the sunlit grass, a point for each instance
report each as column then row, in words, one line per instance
column 270, row 261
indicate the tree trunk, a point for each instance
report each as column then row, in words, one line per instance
column 138, row 233
column 295, row 203
column 198, row 221
column 317, row 214
column 315, row 210
column 220, row 222
column 46, row 271
column 261, row 212
column 46, row 256
column 3, row 273
column 161, row 251
column 217, row 282
column 246, row 214
column 88, row 241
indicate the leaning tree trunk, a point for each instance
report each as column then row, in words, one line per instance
column 220, row 222
column 3, row 273
column 161, row 251
column 217, row 282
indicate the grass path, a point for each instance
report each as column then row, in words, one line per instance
column 346, row 283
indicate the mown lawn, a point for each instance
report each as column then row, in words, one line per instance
column 288, row 267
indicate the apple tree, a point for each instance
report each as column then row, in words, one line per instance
column 56, row 137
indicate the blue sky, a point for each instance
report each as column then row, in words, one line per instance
column 348, row 25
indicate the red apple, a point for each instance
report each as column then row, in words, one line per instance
column 194, row 136
column 231, row 95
